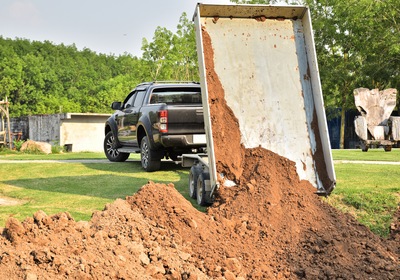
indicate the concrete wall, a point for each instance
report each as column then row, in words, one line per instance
column 85, row 132
column 79, row 131
column 19, row 128
column 44, row 128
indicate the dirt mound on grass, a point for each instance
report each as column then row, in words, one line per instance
column 395, row 229
column 271, row 226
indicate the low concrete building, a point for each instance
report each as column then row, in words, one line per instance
column 77, row 132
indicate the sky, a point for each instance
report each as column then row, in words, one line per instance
column 104, row 26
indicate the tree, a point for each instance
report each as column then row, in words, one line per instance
column 184, row 51
column 267, row 2
column 156, row 53
column 172, row 56
column 357, row 44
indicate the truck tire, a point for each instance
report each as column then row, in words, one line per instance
column 194, row 173
column 201, row 189
column 111, row 151
column 149, row 158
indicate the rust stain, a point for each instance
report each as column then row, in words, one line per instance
column 319, row 156
column 260, row 18
column 215, row 19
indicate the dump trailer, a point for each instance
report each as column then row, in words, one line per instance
column 263, row 59
column 375, row 126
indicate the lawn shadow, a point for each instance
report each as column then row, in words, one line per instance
column 115, row 180
column 133, row 165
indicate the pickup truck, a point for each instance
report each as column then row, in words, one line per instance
column 158, row 120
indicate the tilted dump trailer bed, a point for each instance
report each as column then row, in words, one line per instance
column 264, row 58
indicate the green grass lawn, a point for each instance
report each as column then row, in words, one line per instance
column 78, row 188
column 370, row 192
column 372, row 154
column 13, row 155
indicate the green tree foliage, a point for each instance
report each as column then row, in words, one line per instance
column 267, row 2
column 358, row 45
column 44, row 78
column 172, row 56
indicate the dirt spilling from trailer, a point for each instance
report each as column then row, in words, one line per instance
column 270, row 226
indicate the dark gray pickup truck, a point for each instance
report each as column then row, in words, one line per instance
column 158, row 120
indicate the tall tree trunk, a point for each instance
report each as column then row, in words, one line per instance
column 342, row 126
column 343, row 117
column 344, row 103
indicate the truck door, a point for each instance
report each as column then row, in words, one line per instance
column 127, row 121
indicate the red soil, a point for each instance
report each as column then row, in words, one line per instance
column 270, row 226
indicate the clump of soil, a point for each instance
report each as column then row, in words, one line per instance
column 395, row 228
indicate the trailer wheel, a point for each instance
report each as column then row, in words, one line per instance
column 194, row 173
column 149, row 158
column 388, row 148
column 364, row 146
column 201, row 189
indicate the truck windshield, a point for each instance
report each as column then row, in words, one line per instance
column 176, row 96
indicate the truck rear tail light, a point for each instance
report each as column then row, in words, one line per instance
column 163, row 116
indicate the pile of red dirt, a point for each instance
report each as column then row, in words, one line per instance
column 270, row 226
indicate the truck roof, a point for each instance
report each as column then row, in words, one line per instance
column 163, row 84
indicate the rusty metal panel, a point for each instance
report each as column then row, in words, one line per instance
column 251, row 11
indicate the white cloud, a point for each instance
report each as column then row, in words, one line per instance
column 25, row 12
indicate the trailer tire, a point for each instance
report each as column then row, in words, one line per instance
column 364, row 146
column 201, row 189
column 194, row 173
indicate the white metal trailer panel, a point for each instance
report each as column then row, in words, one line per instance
column 265, row 59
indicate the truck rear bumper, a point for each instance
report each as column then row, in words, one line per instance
column 190, row 140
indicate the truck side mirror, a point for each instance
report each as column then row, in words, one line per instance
column 116, row 105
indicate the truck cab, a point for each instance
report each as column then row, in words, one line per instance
column 158, row 120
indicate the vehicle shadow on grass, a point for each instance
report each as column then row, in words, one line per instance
column 170, row 172
column 115, row 180
column 133, row 165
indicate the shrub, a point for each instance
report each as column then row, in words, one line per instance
column 18, row 144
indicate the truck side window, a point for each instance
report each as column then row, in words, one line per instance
column 129, row 102
column 139, row 98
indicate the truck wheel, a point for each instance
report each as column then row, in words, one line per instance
column 149, row 158
column 201, row 189
column 111, row 151
column 194, row 173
